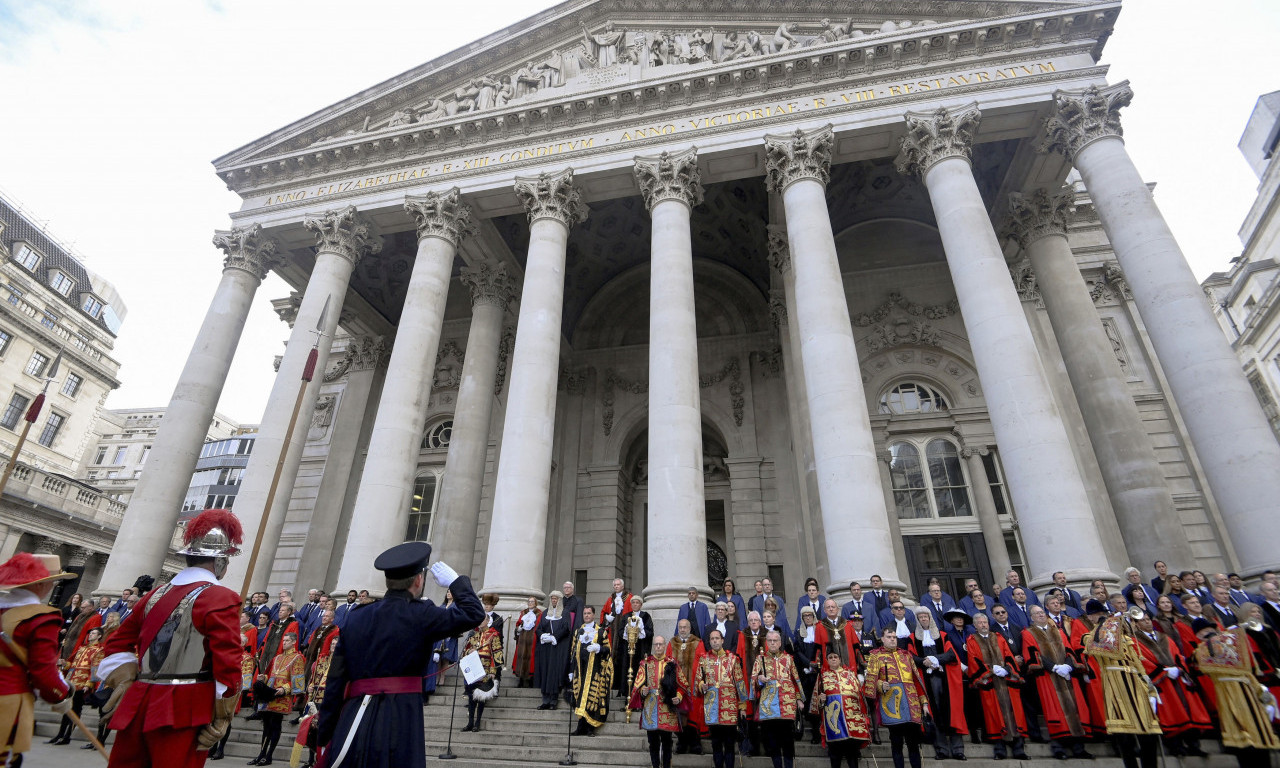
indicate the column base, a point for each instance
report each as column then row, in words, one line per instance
column 840, row 590
column 1078, row 579
column 1256, row 571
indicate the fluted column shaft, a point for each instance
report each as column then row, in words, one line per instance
column 147, row 529
column 343, row 239
column 518, row 525
column 1227, row 426
column 463, row 485
column 380, row 517
column 855, row 520
column 1144, row 506
column 677, row 546
column 988, row 515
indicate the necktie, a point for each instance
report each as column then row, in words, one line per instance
column 1004, row 628
column 1058, row 619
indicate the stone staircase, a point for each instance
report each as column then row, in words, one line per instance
column 516, row 735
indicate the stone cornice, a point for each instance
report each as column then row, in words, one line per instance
column 796, row 156
column 246, row 248
column 1041, row 213
column 1082, row 117
column 1032, row 29
column 441, row 214
column 344, row 232
column 935, row 136
column 670, row 177
column 551, row 196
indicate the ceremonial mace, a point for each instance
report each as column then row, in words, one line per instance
column 633, row 635
column 308, row 371
column 33, row 413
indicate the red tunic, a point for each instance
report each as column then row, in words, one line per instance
column 688, row 653
column 954, row 682
column 1003, row 716
column 822, row 637
column 1062, row 701
column 1180, row 708
column 1094, row 720
column 38, row 635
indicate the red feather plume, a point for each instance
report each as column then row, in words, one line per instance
column 214, row 518
column 23, row 568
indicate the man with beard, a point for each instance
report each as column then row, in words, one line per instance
column 685, row 649
column 592, row 675
column 635, row 625
column 994, row 673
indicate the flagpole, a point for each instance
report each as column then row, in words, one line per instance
column 308, row 372
column 33, row 413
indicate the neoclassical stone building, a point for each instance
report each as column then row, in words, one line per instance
column 774, row 290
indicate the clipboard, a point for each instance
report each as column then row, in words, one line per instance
column 472, row 668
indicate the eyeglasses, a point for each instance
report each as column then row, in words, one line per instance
column 899, row 608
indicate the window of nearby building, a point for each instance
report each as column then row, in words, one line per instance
column 15, row 295
column 37, row 364
column 912, row 397
column 13, row 412
column 439, row 435
column 51, row 427
column 49, row 320
column 5, row 338
column 62, row 284
column 146, row 451
column 26, row 256
column 936, row 488
column 120, row 454
column 92, row 306
column 422, row 507
column 995, row 478
column 112, row 475
column 101, row 456
column 72, row 385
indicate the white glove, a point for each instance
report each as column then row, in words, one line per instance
column 999, row 671
column 553, row 639
column 443, row 574
column 62, row 707
column 571, row 677
column 1155, row 701
column 1063, row 670
column 862, row 679
column 593, row 648
column 964, row 667
column 435, row 657
column 1271, row 712
column 608, row 618
column 642, row 634
column 545, row 638
column 1172, row 672
column 932, row 661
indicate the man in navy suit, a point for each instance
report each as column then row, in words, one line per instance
column 1238, row 595
column 1135, row 583
column 756, row 603
column 878, row 594
column 938, row 603
column 342, row 611
column 1019, row 607
column 862, row 605
column 1013, row 580
column 696, row 612
column 896, row 616
column 966, row 601
column 1071, row 597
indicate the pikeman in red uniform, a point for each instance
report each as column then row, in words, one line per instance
column 28, row 649
column 182, row 647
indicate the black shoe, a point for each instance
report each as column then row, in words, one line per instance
column 544, row 706
column 875, row 738
column 1020, row 756
column 56, row 738
column 265, row 761
column 940, row 756
column 295, row 721
column 90, row 746
column 1196, row 752
column 256, row 761
column 997, row 757
column 1082, row 755
column 1060, row 756
column 468, row 728
column 959, row 757
column 64, row 740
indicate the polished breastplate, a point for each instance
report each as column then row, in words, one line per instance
column 177, row 653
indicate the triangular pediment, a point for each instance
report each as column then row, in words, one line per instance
column 582, row 46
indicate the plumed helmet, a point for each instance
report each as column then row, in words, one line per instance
column 212, row 533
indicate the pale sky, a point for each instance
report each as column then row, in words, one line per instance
column 113, row 110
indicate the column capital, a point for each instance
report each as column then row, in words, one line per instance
column 46, row 545
column 777, row 307
column 77, row 556
column 1082, row 117
column 669, row 177
column 885, row 455
column 344, row 232
column 551, row 196
column 800, row 155
column 935, row 136
column 779, row 248
column 247, row 249
column 1040, row 213
column 489, row 284
column 441, row 214
column 1024, row 280
column 969, row 451
column 367, row 352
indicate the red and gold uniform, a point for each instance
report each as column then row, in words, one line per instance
column 488, row 644
column 288, row 672
column 248, row 662
column 1002, row 711
column 1227, row 663
column 655, row 714
column 837, row 696
column 1180, row 707
column 778, row 698
column 719, row 679
column 83, row 664
column 896, row 666
column 840, row 636
column 1127, row 694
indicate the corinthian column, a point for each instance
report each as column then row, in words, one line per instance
column 1143, row 505
column 854, row 518
column 147, row 529
column 677, row 552
column 1059, row 529
column 381, row 515
column 1230, row 433
column 518, row 525
column 343, row 237
column 460, row 492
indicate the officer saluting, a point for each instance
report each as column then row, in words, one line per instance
column 371, row 716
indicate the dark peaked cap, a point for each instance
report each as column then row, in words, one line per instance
column 404, row 560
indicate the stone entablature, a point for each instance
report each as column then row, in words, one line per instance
column 874, row 68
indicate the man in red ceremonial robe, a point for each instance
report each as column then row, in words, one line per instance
column 686, row 650
column 1050, row 665
column 993, row 673
column 1181, row 712
column 29, row 653
column 188, row 677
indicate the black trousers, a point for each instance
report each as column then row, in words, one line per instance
column 779, row 740
column 1134, row 749
column 907, row 734
column 724, row 745
column 272, row 722
column 845, row 750
column 660, row 748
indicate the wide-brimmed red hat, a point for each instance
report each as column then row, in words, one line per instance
column 25, row 569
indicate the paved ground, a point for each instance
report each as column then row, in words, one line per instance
column 70, row 756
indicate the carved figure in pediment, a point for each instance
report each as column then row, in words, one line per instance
column 487, row 92
column 832, row 31
column 506, row 92
column 402, row 117
column 783, row 40
column 433, row 111
column 573, row 62
column 663, row 50
column 553, row 69
column 743, row 46
column 529, row 79
column 466, row 96
column 605, row 47
column 699, row 47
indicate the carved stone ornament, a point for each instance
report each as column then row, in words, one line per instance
column 363, row 353
column 935, row 136
column 779, row 248
column 441, row 214
column 344, row 232
column 1081, row 117
column 504, row 355
column 1025, row 281
column 489, row 284
column 777, row 307
column 551, row 196
column 670, row 177
column 448, row 370
column 797, row 156
column 970, row 451
column 1041, row 213
column 247, row 249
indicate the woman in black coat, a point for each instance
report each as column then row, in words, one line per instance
column 808, row 663
column 551, row 652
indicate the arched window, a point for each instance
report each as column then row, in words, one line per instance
column 439, row 435
column 912, row 397
column 422, row 506
column 935, row 489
